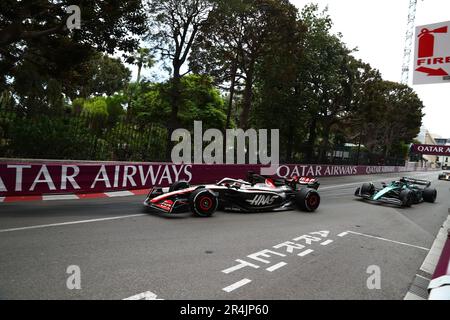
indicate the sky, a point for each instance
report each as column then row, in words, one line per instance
column 378, row 29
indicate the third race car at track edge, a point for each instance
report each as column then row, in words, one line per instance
column 444, row 176
column 404, row 192
column 256, row 194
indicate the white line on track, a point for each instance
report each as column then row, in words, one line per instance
column 343, row 234
column 276, row 266
column 144, row 296
column 388, row 240
column 70, row 223
column 305, row 253
column 60, row 197
column 237, row 285
column 325, row 243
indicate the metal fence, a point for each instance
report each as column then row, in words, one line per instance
column 86, row 136
column 81, row 136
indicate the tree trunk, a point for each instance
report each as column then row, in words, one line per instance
column 312, row 139
column 175, row 103
column 232, row 89
column 290, row 144
column 325, row 144
column 139, row 73
column 247, row 100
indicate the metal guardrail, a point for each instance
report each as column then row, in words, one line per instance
column 439, row 286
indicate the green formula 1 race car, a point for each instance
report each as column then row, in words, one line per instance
column 405, row 192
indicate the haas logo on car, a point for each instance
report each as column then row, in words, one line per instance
column 262, row 200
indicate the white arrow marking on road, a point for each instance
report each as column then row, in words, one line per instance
column 325, row 243
column 276, row 267
column 305, row 253
column 237, row 285
column 144, row 296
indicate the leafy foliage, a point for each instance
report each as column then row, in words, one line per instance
column 246, row 63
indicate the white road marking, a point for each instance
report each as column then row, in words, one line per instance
column 343, row 234
column 412, row 296
column 60, row 197
column 388, row 240
column 119, row 194
column 70, row 223
column 144, row 296
column 276, row 267
column 325, row 243
column 417, row 275
column 305, row 253
column 241, row 265
column 237, row 285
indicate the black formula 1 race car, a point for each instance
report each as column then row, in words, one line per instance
column 257, row 194
column 445, row 176
column 405, row 192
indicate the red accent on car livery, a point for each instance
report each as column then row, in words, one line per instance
column 270, row 183
column 170, row 194
column 165, row 205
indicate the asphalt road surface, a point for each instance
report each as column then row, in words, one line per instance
column 121, row 252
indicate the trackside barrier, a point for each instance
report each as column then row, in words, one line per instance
column 440, row 284
column 46, row 177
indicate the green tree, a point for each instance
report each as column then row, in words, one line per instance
column 234, row 40
column 199, row 100
column 143, row 59
column 173, row 27
column 42, row 62
column 105, row 75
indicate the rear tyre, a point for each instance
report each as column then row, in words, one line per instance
column 406, row 197
column 429, row 195
column 307, row 200
column 180, row 185
column 203, row 203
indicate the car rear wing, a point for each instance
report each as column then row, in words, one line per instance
column 419, row 182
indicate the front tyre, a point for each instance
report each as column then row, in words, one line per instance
column 367, row 189
column 406, row 197
column 180, row 185
column 203, row 203
column 307, row 200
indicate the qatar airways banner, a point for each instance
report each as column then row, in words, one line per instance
column 38, row 178
column 432, row 150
